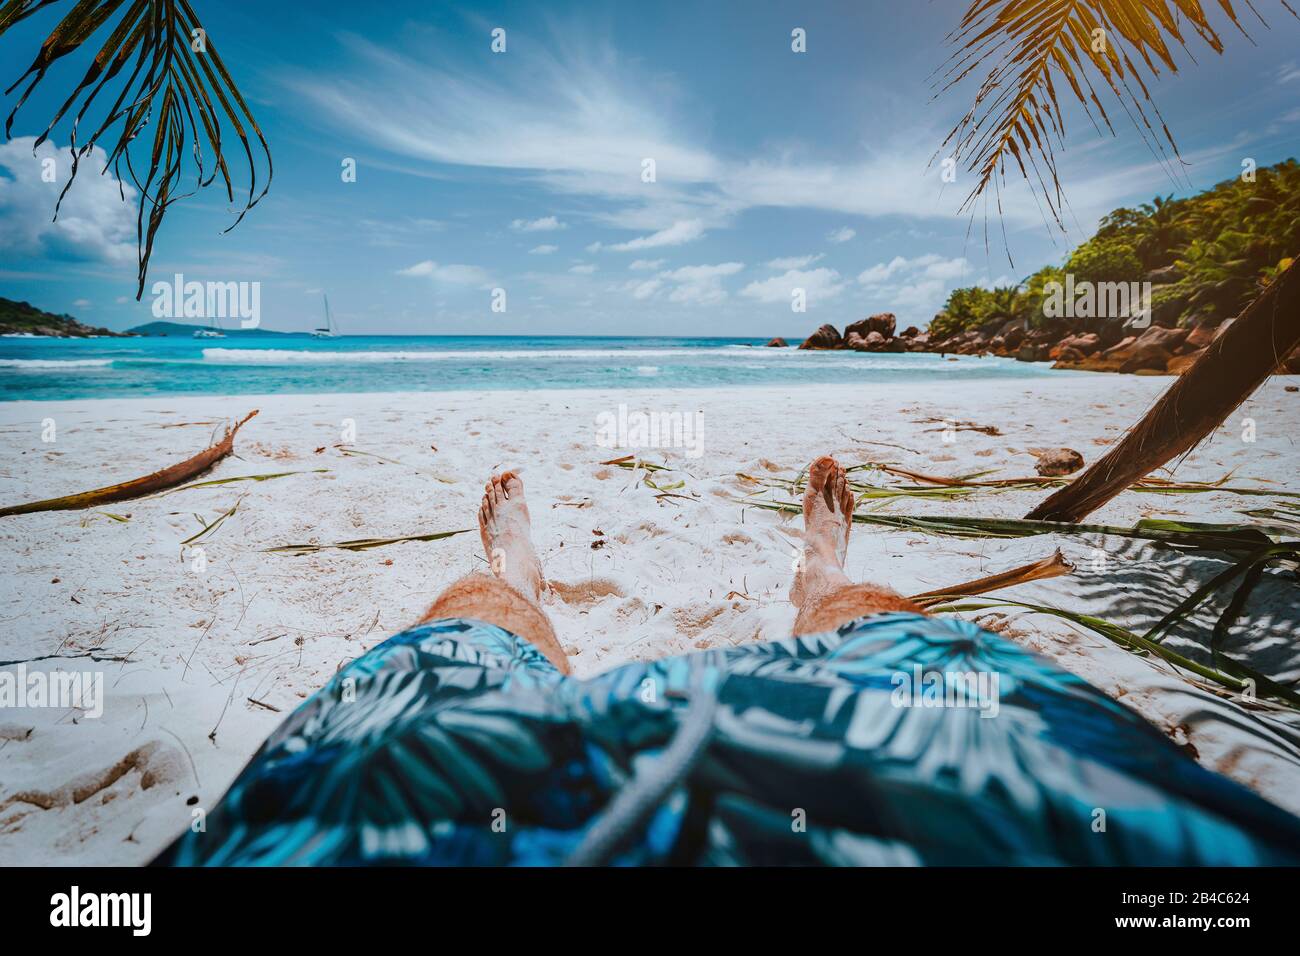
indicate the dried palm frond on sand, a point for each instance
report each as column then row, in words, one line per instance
column 139, row 487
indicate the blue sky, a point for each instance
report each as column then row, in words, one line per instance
column 522, row 170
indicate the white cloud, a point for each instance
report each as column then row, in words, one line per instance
column 703, row 273
column 843, row 234
column 580, row 121
column 916, row 288
column 644, row 290
column 646, row 265
column 920, row 299
column 687, row 285
column 700, row 285
column 794, row 262
column 682, row 231
column 583, row 269
column 698, row 293
column 545, row 224
column 543, row 250
column 817, row 284
column 896, row 180
column 942, row 268
column 881, row 271
column 928, row 266
column 94, row 222
column 577, row 109
column 449, row 273
column 1288, row 72
column 397, row 231
column 81, row 303
column 581, row 118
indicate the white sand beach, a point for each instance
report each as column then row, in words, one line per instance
column 199, row 666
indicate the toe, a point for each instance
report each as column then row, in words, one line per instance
column 819, row 471
column 834, row 487
column 512, row 484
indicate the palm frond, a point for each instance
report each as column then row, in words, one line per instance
column 212, row 482
column 1231, row 539
column 1087, row 46
column 362, row 544
column 176, row 83
column 1052, row 567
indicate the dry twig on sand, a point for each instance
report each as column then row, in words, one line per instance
column 158, row 481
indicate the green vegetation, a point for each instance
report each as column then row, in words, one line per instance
column 1207, row 256
column 22, row 318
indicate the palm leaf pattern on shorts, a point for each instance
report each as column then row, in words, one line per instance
column 457, row 743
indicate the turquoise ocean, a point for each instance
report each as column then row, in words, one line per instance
column 51, row 369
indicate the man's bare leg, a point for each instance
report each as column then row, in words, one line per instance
column 512, row 599
column 825, row 596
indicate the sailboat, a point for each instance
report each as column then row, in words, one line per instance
column 329, row 331
column 211, row 332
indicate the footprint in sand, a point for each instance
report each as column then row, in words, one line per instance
column 694, row 619
column 737, row 537
column 586, row 593
column 643, row 531
column 144, row 768
column 633, row 611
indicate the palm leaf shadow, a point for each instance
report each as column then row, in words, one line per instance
column 1138, row 584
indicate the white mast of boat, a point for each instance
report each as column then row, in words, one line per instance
column 328, row 332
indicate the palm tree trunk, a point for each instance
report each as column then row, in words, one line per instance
column 1200, row 400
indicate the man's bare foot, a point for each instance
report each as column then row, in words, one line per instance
column 827, row 507
column 507, row 535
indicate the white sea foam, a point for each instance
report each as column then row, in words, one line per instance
column 321, row 357
column 54, row 363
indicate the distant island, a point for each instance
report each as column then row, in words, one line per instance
column 23, row 318
column 186, row 328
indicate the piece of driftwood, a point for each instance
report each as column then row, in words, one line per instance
column 149, row 484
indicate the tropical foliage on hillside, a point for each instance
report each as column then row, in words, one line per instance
column 23, row 318
column 1207, row 256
